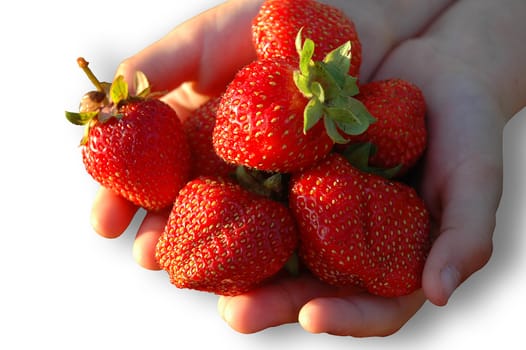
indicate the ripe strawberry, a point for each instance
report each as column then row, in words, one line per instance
column 220, row 238
column 198, row 128
column 278, row 21
column 269, row 116
column 133, row 145
column 360, row 229
column 399, row 133
column 260, row 121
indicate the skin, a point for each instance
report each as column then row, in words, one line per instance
column 467, row 57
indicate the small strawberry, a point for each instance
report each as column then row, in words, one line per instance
column 198, row 128
column 133, row 145
column 269, row 116
column 399, row 134
column 223, row 239
column 360, row 229
column 278, row 21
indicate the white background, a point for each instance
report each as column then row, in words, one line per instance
column 64, row 287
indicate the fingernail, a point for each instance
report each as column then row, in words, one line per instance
column 450, row 280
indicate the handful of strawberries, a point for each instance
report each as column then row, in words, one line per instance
column 296, row 159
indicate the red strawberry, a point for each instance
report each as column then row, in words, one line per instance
column 223, row 239
column 360, row 229
column 269, row 116
column 275, row 27
column 198, row 128
column 133, row 145
column 260, row 121
column 399, row 133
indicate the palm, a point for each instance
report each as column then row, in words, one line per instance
column 460, row 160
column 460, row 179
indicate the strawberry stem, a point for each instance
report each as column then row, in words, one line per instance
column 263, row 184
column 84, row 65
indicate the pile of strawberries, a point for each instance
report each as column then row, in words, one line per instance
column 295, row 160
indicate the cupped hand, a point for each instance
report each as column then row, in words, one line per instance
column 461, row 174
column 192, row 63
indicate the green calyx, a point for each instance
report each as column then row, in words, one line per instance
column 359, row 154
column 268, row 185
column 103, row 104
column 329, row 88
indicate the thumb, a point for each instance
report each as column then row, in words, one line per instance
column 207, row 50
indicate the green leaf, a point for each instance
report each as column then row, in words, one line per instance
column 274, row 183
column 350, row 86
column 299, row 42
column 306, row 52
column 358, row 155
column 141, row 84
column 332, row 131
column 341, row 114
column 85, row 135
column 350, row 115
column 82, row 118
column 317, row 91
column 356, row 128
column 302, row 83
column 330, row 82
column 118, row 90
column 330, row 88
column 339, row 59
column 360, row 110
column 312, row 114
column 353, row 125
column 347, row 121
column 262, row 183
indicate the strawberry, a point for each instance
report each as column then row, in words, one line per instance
column 260, row 121
column 223, row 239
column 360, row 229
column 269, row 116
column 399, row 134
column 275, row 27
column 133, row 145
column 198, row 128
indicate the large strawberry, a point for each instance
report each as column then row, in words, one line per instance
column 360, row 229
column 198, row 128
column 133, row 145
column 275, row 116
column 278, row 21
column 220, row 238
column 399, row 134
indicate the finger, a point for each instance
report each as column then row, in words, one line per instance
column 464, row 244
column 462, row 179
column 207, row 49
column 146, row 240
column 462, row 185
column 111, row 214
column 360, row 315
column 271, row 305
column 383, row 26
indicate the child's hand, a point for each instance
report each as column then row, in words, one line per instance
column 471, row 91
